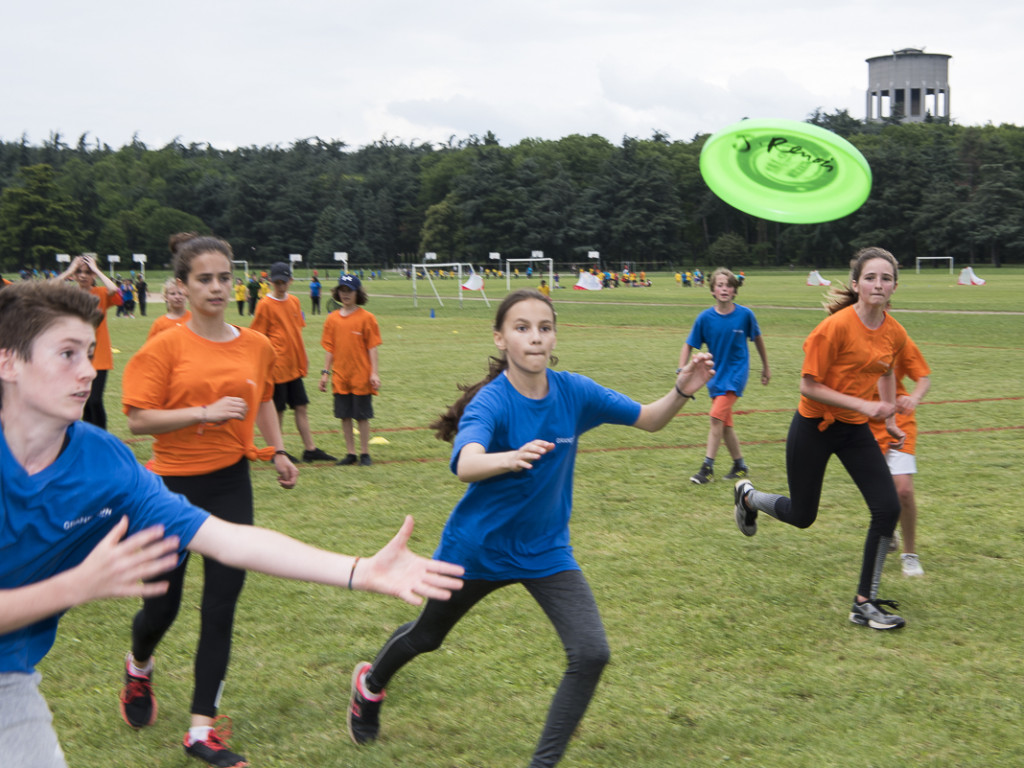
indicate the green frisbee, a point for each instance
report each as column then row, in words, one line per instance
column 785, row 170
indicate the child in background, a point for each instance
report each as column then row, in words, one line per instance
column 279, row 318
column 901, row 460
column 515, row 436
column 177, row 312
column 314, row 293
column 84, row 271
column 350, row 339
column 725, row 329
column 240, row 294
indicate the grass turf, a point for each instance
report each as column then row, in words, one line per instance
column 726, row 650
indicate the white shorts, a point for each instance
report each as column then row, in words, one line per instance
column 901, row 463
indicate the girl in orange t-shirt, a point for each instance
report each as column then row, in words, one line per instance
column 350, row 338
column 847, row 359
column 177, row 313
column 200, row 388
column 83, row 270
column 902, row 460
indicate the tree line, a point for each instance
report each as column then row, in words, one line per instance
column 939, row 189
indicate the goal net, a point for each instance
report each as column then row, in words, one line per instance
column 531, row 264
column 455, row 272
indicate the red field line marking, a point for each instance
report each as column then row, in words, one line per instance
column 263, row 467
column 685, row 414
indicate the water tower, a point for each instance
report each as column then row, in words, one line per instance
column 909, row 83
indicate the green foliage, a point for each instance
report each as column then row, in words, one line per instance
column 727, row 250
column 37, row 220
column 939, row 189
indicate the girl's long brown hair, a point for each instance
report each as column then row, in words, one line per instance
column 446, row 426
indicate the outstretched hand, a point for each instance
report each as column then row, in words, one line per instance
column 696, row 373
column 121, row 568
column 397, row 571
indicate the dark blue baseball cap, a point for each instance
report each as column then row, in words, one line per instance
column 349, row 281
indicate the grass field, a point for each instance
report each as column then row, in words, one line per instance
column 725, row 650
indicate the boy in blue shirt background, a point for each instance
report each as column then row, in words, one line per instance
column 725, row 330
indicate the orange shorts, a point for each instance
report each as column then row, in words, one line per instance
column 721, row 407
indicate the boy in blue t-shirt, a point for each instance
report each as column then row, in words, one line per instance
column 82, row 520
column 725, row 329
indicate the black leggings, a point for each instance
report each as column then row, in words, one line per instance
column 808, row 451
column 568, row 603
column 95, row 412
column 227, row 494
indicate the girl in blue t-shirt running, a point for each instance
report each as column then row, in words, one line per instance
column 514, row 438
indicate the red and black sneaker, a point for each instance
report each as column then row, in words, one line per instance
column 213, row 750
column 138, row 703
column 363, row 707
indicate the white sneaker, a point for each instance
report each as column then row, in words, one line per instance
column 911, row 565
column 895, row 542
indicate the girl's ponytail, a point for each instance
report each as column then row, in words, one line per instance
column 446, row 426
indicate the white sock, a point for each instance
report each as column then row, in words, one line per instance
column 364, row 689
column 198, row 733
column 145, row 671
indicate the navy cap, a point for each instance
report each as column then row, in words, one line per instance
column 280, row 271
column 349, row 281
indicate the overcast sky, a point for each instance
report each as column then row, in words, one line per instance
column 233, row 73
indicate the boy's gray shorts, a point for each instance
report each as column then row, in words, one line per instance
column 27, row 738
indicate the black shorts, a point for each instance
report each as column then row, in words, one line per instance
column 358, row 407
column 291, row 393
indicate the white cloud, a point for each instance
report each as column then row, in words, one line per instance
column 270, row 71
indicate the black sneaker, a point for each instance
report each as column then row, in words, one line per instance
column 738, row 473
column 363, row 711
column 365, row 460
column 704, row 475
column 746, row 518
column 291, row 458
column 138, row 703
column 873, row 614
column 317, row 455
column 213, row 750
column 348, row 461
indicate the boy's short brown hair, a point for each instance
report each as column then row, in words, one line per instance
column 29, row 307
column 730, row 278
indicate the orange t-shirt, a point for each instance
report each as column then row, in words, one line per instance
column 349, row 340
column 180, row 369
column 281, row 321
column 103, row 357
column 909, row 363
column 164, row 322
column 845, row 355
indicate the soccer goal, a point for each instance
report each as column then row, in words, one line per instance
column 457, row 271
column 531, row 261
column 919, row 259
